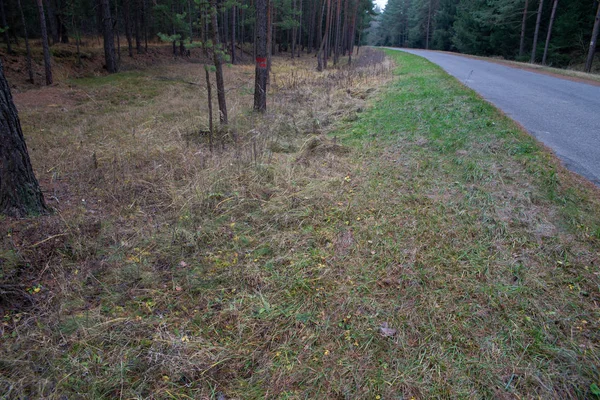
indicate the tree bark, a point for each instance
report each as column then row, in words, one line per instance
column 233, row 11
column 109, row 40
column 523, row 26
column 127, row 20
column 218, row 60
column 261, row 70
column 27, row 48
column 537, row 31
column 5, row 27
column 52, row 21
column 552, row 16
column 136, row 26
column 593, row 42
column 45, row 46
column 321, row 63
column 20, row 193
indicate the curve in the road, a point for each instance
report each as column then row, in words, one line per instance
column 562, row 114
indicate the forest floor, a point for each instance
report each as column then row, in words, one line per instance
column 380, row 233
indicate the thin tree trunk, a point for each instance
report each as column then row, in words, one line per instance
column 45, row 46
column 136, row 25
column 145, row 24
column 336, row 43
column 5, row 27
column 115, row 23
column 269, row 40
column 593, row 42
column 537, row 31
column 127, row 21
column 27, row 49
column 233, row 11
column 523, row 26
column 218, row 60
column 261, row 70
column 299, row 44
column 210, row 112
column 293, row 42
column 322, row 61
column 552, row 16
column 428, row 26
column 109, row 39
column 52, row 21
column 20, row 193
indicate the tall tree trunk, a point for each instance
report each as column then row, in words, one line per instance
column 523, row 26
column 321, row 62
column 428, row 26
column 299, row 44
column 218, row 60
column 270, row 44
column 233, row 11
column 45, row 46
column 261, row 70
column 127, row 22
column 27, row 48
column 593, row 42
column 353, row 31
column 537, row 31
column 20, row 193
column 336, row 43
column 109, row 39
column 211, row 128
column 145, row 24
column 136, row 25
column 293, row 42
column 552, row 16
column 52, row 21
column 5, row 27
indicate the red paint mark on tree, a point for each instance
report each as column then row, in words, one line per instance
column 261, row 62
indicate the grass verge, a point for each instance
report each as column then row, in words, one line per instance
column 439, row 252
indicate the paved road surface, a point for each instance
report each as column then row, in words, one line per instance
column 562, row 114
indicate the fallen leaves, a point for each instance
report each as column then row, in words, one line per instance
column 386, row 331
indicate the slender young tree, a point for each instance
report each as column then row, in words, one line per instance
column 109, row 39
column 27, row 48
column 593, row 42
column 537, row 31
column 45, row 46
column 218, row 60
column 523, row 26
column 261, row 70
column 20, row 193
column 552, row 16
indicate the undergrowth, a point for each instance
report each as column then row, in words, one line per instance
column 425, row 248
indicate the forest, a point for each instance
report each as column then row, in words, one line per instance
column 553, row 32
column 128, row 25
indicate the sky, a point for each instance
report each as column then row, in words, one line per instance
column 381, row 3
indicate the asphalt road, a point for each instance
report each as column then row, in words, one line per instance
column 562, row 114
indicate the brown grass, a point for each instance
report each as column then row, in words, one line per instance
column 114, row 294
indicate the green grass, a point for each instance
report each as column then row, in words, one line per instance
column 446, row 222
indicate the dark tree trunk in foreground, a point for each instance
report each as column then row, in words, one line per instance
column 593, row 42
column 261, row 70
column 27, row 48
column 218, row 59
column 109, row 40
column 45, row 45
column 20, row 193
column 537, row 31
column 523, row 26
column 552, row 16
